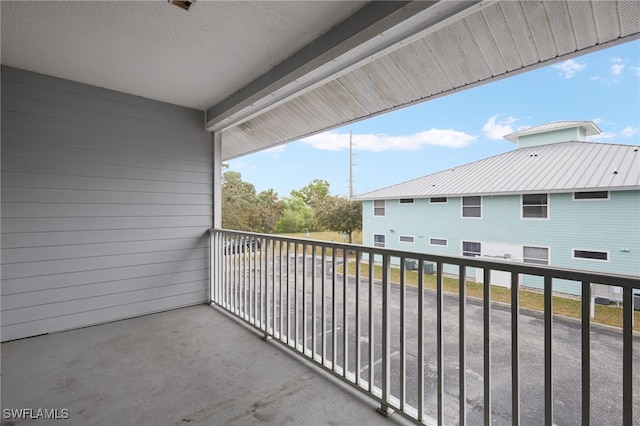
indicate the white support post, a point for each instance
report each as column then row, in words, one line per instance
column 217, row 180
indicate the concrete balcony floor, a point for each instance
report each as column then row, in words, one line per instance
column 193, row 365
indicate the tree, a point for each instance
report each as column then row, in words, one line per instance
column 240, row 208
column 341, row 215
column 270, row 209
column 296, row 217
column 313, row 195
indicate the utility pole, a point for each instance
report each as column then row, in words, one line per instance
column 350, row 165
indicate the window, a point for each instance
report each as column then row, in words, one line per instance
column 437, row 242
column 406, row 201
column 591, row 195
column 379, row 207
column 591, row 255
column 378, row 240
column 470, row 249
column 434, row 200
column 406, row 239
column 472, row 206
column 538, row 255
column 535, row 206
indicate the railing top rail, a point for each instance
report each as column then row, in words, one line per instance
column 608, row 278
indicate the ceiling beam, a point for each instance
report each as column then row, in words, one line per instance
column 375, row 29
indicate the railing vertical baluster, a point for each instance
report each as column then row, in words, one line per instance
column 296, row 323
column 462, row 350
column 345, row 324
column 515, row 349
column 440, row 344
column 272, row 247
column 304, row 298
column 403, row 334
column 421, row 416
column 288, row 306
column 371, row 323
column 586, row 353
column 386, row 331
column 267, row 301
column 334, row 308
column 487, row 345
column 548, row 353
column 314, row 311
column 627, row 357
column 323, row 322
column 358, row 259
column 280, row 276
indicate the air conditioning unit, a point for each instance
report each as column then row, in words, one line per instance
column 411, row 265
column 428, row 268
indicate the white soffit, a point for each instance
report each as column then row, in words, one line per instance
column 486, row 42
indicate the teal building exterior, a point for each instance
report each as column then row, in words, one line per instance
column 572, row 204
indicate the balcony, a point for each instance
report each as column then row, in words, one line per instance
column 297, row 335
column 434, row 357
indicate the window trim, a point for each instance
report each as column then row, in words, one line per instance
column 413, row 239
column 462, row 206
column 446, row 242
column 384, row 214
column 607, row 198
column 446, row 200
column 538, row 247
column 548, row 205
column 406, row 201
column 475, row 242
column 376, row 244
column 574, row 250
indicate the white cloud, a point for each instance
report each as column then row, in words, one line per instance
column 617, row 67
column 630, row 131
column 569, row 68
column 275, row 149
column 332, row 141
column 636, row 70
column 497, row 129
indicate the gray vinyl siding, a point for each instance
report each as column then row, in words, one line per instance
column 106, row 202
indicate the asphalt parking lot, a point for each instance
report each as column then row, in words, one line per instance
column 606, row 350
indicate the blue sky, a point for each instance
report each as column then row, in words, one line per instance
column 603, row 86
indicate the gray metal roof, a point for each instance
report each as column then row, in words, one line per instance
column 589, row 127
column 559, row 167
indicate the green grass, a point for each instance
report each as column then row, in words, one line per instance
column 326, row 236
column 563, row 306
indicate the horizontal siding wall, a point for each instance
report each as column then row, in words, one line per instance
column 609, row 225
column 106, row 202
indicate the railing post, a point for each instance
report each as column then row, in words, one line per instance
column 627, row 357
column 462, row 299
column 384, row 408
column 487, row 345
column 586, row 353
column 515, row 349
column 548, row 352
column 421, row 416
column 440, row 344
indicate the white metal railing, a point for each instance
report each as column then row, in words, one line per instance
column 401, row 343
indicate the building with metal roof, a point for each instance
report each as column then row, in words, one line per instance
column 553, row 200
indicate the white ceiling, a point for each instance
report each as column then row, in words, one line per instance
column 159, row 51
column 268, row 72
